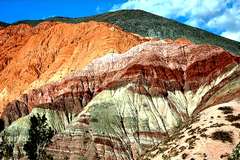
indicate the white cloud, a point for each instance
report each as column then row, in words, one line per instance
column 231, row 35
column 229, row 19
column 218, row 15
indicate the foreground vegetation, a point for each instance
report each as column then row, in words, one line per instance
column 40, row 135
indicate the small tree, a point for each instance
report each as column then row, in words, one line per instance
column 6, row 147
column 1, row 125
column 236, row 153
column 40, row 135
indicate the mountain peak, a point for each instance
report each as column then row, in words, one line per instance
column 149, row 25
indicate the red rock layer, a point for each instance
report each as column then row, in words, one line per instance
column 160, row 72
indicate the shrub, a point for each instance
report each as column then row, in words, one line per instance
column 40, row 135
column 222, row 136
column 226, row 109
column 236, row 153
column 232, row 118
column 1, row 125
column 6, row 147
column 237, row 125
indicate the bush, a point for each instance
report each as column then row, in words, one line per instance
column 1, row 125
column 6, row 147
column 226, row 109
column 222, row 136
column 236, row 153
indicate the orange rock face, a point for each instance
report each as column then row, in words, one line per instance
column 49, row 51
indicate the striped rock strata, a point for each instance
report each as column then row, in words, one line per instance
column 152, row 89
column 129, row 103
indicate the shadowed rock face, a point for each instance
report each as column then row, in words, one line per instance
column 13, row 111
column 128, row 103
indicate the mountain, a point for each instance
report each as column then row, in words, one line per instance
column 159, row 99
column 147, row 24
column 3, row 24
column 113, row 94
column 34, row 56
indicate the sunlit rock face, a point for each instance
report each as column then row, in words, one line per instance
column 138, row 104
column 34, row 56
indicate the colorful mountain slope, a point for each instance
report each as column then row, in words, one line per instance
column 124, row 119
column 112, row 94
column 49, row 51
column 123, row 106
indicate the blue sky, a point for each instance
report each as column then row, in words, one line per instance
column 14, row 10
column 221, row 17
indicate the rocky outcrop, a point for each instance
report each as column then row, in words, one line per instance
column 13, row 111
column 150, row 25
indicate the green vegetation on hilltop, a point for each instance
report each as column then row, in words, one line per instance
column 147, row 24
